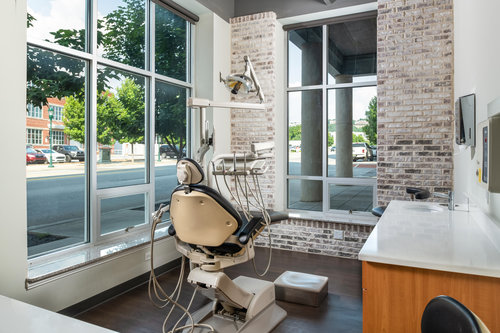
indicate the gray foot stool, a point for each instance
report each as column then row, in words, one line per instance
column 301, row 288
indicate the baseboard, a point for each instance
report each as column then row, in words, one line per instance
column 87, row 304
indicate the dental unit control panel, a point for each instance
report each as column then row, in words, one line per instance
column 488, row 154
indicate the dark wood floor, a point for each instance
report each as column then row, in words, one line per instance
column 341, row 311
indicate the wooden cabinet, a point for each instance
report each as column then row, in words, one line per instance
column 394, row 297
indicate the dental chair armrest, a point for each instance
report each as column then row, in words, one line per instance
column 171, row 230
column 249, row 227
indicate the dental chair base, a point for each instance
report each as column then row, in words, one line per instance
column 243, row 305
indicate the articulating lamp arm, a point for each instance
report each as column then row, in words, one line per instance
column 257, row 87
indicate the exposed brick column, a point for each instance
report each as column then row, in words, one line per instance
column 415, row 96
column 255, row 36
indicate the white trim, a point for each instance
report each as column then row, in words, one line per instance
column 334, row 216
column 329, row 13
column 325, row 88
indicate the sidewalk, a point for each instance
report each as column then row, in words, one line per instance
column 78, row 168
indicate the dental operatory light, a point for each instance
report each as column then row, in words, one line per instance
column 244, row 83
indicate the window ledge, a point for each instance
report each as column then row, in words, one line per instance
column 334, row 217
column 54, row 266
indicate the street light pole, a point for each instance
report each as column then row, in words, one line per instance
column 51, row 115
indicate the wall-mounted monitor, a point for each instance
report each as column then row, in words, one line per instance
column 465, row 120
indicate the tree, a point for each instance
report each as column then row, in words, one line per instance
column 358, row 138
column 170, row 117
column 331, row 141
column 371, row 116
column 126, row 119
column 121, row 37
column 74, row 118
column 51, row 74
column 295, row 132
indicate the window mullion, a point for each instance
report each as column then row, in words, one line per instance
column 150, row 110
column 91, row 128
column 324, row 153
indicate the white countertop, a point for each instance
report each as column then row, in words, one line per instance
column 17, row 316
column 428, row 235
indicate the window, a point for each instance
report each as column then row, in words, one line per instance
column 331, row 128
column 34, row 111
column 57, row 137
column 117, row 100
column 58, row 112
column 33, row 136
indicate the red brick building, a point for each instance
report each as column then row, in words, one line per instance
column 37, row 124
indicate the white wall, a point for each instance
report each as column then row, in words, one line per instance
column 212, row 56
column 477, row 70
column 12, row 171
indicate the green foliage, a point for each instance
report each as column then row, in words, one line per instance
column 371, row 116
column 124, row 37
column 295, row 132
column 331, row 141
column 29, row 18
column 127, row 120
column 170, row 46
column 119, row 118
column 72, row 38
column 52, row 75
column 358, row 138
column 120, row 37
column 74, row 119
column 170, row 116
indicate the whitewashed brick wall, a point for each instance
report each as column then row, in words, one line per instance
column 317, row 237
column 415, row 96
column 255, row 36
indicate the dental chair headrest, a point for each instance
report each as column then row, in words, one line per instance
column 189, row 172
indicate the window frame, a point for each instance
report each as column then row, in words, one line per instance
column 58, row 112
column 324, row 87
column 58, row 135
column 39, row 135
column 31, row 110
column 93, row 195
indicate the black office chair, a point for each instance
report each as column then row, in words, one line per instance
column 444, row 314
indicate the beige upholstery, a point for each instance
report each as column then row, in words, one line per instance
column 201, row 219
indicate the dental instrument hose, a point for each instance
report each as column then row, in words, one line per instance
column 160, row 293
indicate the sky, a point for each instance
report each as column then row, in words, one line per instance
column 52, row 15
column 361, row 96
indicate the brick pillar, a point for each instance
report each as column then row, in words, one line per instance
column 255, row 36
column 415, row 96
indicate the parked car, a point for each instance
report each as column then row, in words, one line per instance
column 332, row 148
column 56, row 157
column 71, row 152
column 374, row 151
column 32, row 156
column 167, row 151
column 361, row 150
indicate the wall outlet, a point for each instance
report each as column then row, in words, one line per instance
column 147, row 256
column 338, row 234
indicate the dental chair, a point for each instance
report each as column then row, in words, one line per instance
column 213, row 235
